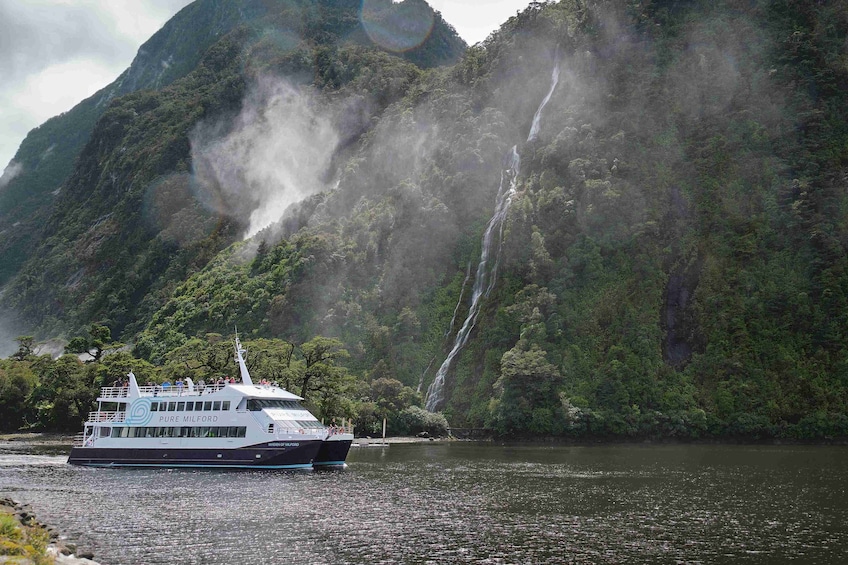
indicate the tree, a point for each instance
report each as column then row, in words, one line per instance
column 16, row 383
column 320, row 355
column 66, row 393
column 98, row 342
column 272, row 359
column 25, row 344
column 198, row 358
column 392, row 396
column 526, row 398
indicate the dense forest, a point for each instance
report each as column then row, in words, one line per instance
column 607, row 220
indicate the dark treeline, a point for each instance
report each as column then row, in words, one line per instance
column 40, row 393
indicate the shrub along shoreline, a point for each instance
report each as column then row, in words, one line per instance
column 25, row 540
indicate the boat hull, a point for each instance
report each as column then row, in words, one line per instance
column 333, row 452
column 272, row 455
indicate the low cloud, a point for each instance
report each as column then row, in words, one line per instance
column 9, row 330
column 12, row 170
column 276, row 152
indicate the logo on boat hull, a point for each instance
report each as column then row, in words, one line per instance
column 139, row 414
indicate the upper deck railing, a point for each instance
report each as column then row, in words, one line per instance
column 118, row 392
column 114, row 392
column 104, row 416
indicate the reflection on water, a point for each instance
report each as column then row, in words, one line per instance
column 458, row 503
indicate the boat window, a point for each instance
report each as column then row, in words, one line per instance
column 189, row 406
column 154, row 406
column 225, row 405
column 255, row 404
column 207, row 405
column 216, row 405
column 104, row 432
column 180, row 406
column 185, row 431
column 172, row 406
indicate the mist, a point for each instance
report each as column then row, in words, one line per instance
column 276, row 152
column 12, row 170
column 8, row 332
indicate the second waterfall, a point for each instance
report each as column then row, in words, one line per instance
column 487, row 270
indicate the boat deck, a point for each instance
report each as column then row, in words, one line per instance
column 118, row 392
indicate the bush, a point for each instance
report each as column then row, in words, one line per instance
column 414, row 420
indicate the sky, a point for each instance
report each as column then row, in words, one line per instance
column 56, row 53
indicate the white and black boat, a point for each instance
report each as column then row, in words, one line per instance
column 243, row 425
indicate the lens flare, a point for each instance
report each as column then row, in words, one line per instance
column 397, row 27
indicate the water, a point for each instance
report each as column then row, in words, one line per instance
column 537, row 118
column 487, row 273
column 486, row 276
column 458, row 503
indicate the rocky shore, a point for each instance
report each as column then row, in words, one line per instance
column 26, row 541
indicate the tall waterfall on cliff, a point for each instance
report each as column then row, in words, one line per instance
column 537, row 117
column 485, row 278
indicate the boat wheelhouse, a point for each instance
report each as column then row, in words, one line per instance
column 242, row 425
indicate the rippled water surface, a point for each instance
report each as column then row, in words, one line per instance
column 457, row 503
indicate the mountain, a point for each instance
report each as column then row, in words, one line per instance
column 607, row 219
column 47, row 156
column 186, row 71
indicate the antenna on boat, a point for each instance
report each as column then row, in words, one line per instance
column 245, row 375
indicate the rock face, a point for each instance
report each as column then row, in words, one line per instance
column 62, row 553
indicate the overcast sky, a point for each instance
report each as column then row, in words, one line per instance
column 56, row 53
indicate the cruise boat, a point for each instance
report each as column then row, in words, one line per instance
column 243, row 425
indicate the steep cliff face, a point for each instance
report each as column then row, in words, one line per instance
column 46, row 157
column 129, row 210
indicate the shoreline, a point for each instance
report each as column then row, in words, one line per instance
column 58, row 550
column 58, row 439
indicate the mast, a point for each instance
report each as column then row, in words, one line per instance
column 134, row 391
column 245, row 375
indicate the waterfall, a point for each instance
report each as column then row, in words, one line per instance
column 537, row 117
column 459, row 302
column 486, row 275
column 484, row 280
